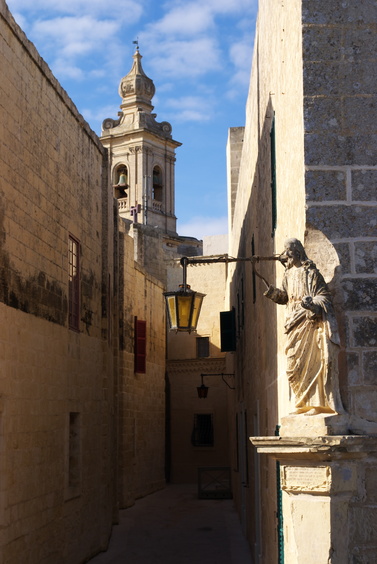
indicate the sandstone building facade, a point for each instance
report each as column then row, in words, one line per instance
column 82, row 327
column 304, row 166
column 88, row 391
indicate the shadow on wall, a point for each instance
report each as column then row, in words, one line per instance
column 255, row 361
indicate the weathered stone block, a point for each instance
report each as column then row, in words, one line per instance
column 362, row 555
column 341, row 12
column 364, row 521
column 364, row 403
column 322, row 43
column 366, row 257
column 322, row 114
column 353, row 369
column 364, row 184
column 343, row 250
column 360, row 294
column 371, row 484
column 332, row 149
column 360, row 43
column 370, row 367
column 364, row 332
column 338, row 79
column 325, row 185
column 339, row 221
column 360, row 114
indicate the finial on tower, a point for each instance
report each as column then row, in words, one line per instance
column 136, row 43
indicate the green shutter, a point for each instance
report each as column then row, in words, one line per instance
column 273, row 177
column 279, row 513
column 228, row 330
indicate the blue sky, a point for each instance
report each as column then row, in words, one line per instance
column 197, row 52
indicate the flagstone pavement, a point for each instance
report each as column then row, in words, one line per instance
column 173, row 526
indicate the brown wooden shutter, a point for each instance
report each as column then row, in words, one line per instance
column 140, row 345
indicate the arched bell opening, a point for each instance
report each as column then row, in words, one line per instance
column 121, row 181
column 157, row 184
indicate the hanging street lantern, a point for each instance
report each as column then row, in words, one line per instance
column 183, row 307
column 202, row 391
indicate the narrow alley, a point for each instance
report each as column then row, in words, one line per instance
column 173, row 526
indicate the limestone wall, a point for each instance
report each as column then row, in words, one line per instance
column 262, row 220
column 57, row 434
column 141, row 395
column 339, row 49
column 312, row 92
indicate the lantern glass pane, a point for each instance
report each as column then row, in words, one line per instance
column 184, row 310
column 172, row 309
column 197, row 305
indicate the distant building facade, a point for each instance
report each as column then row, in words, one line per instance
column 198, row 427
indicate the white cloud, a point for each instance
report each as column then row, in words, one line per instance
column 187, row 19
column 75, row 36
column 240, row 54
column 202, row 226
column 100, row 113
column 214, row 7
column 62, row 68
column 184, row 58
column 128, row 10
column 189, row 108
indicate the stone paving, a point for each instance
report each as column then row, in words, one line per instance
column 173, row 526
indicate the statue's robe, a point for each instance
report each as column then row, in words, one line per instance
column 312, row 340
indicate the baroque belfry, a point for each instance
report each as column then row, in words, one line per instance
column 142, row 154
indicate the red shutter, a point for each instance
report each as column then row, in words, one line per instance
column 140, row 345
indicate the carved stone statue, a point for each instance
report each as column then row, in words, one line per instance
column 312, row 338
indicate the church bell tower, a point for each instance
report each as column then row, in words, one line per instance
column 142, row 154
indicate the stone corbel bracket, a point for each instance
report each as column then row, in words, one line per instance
column 319, row 448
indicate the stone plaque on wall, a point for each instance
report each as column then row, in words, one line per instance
column 306, row 478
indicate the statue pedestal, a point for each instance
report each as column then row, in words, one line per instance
column 323, row 481
column 314, row 425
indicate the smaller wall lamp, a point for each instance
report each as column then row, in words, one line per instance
column 183, row 307
column 203, row 389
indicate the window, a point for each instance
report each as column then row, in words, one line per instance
column 202, row 347
column 74, row 284
column 157, row 184
column 241, row 306
column 273, row 176
column 140, row 345
column 202, row 433
column 253, row 273
column 74, row 455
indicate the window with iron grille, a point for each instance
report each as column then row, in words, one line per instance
column 74, row 283
column 140, row 346
column 202, row 347
column 202, row 433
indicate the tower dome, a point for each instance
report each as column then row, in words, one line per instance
column 136, row 87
